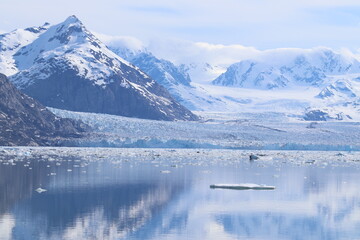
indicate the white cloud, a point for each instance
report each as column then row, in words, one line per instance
column 260, row 23
column 181, row 51
column 121, row 41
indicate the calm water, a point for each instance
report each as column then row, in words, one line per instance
column 165, row 194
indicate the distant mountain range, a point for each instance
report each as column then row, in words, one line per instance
column 335, row 75
column 65, row 66
column 288, row 68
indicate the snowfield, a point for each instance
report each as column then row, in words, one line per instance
column 267, row 131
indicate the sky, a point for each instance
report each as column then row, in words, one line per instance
column 262, row 24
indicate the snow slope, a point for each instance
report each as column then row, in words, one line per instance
column 11, row 42
column 72, row 43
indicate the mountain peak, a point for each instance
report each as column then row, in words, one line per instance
column 80, row 73
column 71, row 30
column 72, row 19
column 71, row 22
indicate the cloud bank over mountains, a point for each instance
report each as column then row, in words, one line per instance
column 261, row 24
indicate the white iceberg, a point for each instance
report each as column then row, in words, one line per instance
column 243, row 186
column 40, row 190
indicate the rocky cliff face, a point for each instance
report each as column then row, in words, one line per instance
column 24, row 121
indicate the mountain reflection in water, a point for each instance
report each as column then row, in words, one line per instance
column 115, row 198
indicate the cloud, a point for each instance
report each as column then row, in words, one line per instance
column 155, row 10
column 181, row 51
column 188, row 52
column 260, row 23
column 121, row 41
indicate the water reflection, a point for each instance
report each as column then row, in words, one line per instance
column 107, row 200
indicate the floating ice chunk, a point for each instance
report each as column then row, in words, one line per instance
column 165, row 171
column 243, row 186
column 40, row 190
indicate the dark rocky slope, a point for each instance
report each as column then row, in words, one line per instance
column 25, row 122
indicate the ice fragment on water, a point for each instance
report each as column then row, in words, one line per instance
column 243, row 186
column 40, row 190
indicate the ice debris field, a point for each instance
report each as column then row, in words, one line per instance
column 256, row 131
column 169, row 159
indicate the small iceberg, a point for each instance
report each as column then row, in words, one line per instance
column 243, row 186
column 40, row 190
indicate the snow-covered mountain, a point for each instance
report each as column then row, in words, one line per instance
column 340, row 99
column 323, row 62
column 288, row 68
column 202, row 72
column 11, row 42
column 167, row 73
column 317, row 83
column 164, row 72
column 174, row 78
column 342, row 89
column 67, row 67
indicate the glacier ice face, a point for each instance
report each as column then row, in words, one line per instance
column 271, row 131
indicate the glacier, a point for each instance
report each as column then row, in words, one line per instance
column 266, row 131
